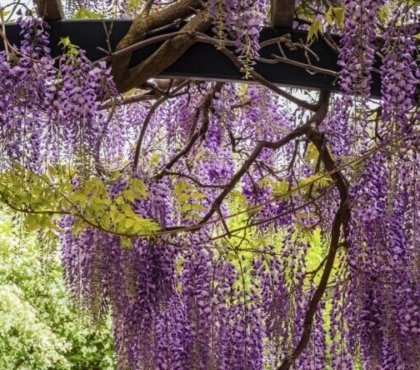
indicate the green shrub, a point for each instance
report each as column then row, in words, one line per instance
column 39, row 326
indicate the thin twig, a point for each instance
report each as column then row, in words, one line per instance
column 149, row 116
column 309, row 67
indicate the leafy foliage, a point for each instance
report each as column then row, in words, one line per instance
column 39, row 326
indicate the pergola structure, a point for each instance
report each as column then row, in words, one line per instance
column 285, row 57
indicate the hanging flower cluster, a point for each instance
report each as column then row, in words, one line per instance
column 49, row 114
column 240, row 21
column 400, row 75
column 357, row 55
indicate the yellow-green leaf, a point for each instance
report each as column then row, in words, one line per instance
column 139, row 188
column 383, row 14
column 339, row 15
column 314, row 29
column 84, row 13
column 329, row 16
column 126, row 242
column 180, row 187
column 129, row 195
column 281, row 188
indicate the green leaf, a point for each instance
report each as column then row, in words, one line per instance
column 302, row 11
column 145, row 226
column 180, row 187
column 155, row 159
column 138, row 187
column 126, row 242
column 186, row 207
column 78, row 197
column 304, row 215
column 31, row 222
column 65, row 41
column 318, row 181
column 68, row 47
column 129, row 223
column 183, row 198
column 329, row 16
column 4, row 13
column 119, row 200
column 128, row 211
column 281, row 188
column 134, row 4
column 383, row 14
column 106, row 221
column 312, row 153
column 339, row 15
column 192, row 216
column 198, row 195
column 84, row 13
column 314, row 29
column 129, row 195
column 78, row 226
column 115, row 175
column 197, row 207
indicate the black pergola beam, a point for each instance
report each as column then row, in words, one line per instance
column 203, row 61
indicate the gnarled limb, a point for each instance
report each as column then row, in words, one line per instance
column 274, row 145
column 166, row 55
column 340, row 219
column 339, row 223
column 138, row 30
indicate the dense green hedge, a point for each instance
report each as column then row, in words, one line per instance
column 39, row 327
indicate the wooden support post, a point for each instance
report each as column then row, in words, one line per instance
column 50, row 10
column 282, row 13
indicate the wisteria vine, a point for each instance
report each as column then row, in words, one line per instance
column 222, row 226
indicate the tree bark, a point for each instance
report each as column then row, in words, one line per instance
column 164, row 57
column 138, row 31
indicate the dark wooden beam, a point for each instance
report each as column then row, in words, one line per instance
column 282, row 13
column 203, row 61
column 50, row 10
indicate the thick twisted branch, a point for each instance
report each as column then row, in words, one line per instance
column 127, row 78
column 274, row 145
column 339, row 224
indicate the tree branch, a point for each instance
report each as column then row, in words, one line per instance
column 340, row 221
column 205, row 109
column 149, row 116
column 50, row 10
column 126, row 78
column 341, row 218
column 302, row 130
